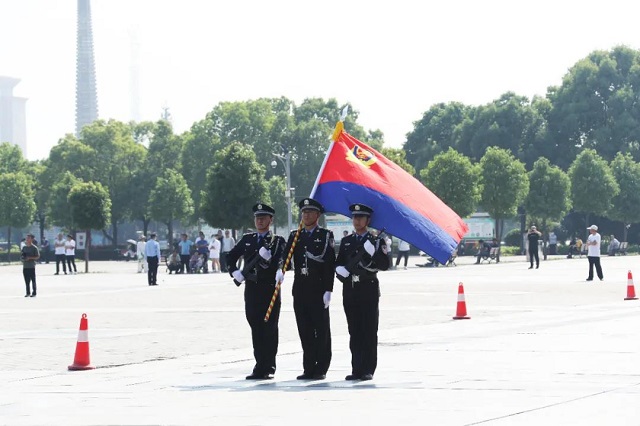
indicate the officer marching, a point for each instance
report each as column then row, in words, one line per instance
column 263, row 256
column 360, row 258
column 313, row 264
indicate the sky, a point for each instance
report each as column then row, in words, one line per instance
column 392, row 60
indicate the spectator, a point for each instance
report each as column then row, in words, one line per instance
column 553, row 243
column 534, row 237
column 29, row 254
column 70, row 254
column 202, row 246
column 593, row 243
column 173, row 263
column 45, row 251
column 185, row 251
column 227, row 244
column 59, row 252
column 403, row 251
column 214, row 253
column 484, row 248
column 142, row 256
column 614, row 246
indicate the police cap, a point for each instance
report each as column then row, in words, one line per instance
column 261, row 209
column 360, row 210
column 310, row 204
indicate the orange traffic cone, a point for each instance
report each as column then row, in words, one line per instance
column 81, row 360
column 631, row 291
column 461, row 310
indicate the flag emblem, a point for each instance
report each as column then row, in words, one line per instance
column 361, row 156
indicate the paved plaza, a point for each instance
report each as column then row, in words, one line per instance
column 542, row 347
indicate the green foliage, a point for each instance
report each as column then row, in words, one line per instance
column 170, row 199
column 16, row 200
column 276, row 187
column 452, row 177
column 593, row 185
column 596, row 106
column 504, row 184
column 549, row 190
column 513, row 238
column 89, row 205
column 11, row 159
column 235, row 182
column 626, row 204
column 58, row 207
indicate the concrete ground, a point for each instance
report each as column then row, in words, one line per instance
column 542, row 347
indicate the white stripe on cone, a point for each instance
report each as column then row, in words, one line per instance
column 83, row 336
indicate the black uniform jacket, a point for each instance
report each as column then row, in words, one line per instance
column 255, row 269
column 358, row 262
column 313, row 261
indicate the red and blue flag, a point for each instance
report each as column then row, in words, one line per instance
column 356, row 173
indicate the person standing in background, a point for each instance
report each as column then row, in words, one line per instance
column 533, row 238
column 185, row 253
column 141, row 255
column 59, row 251
column 214, row 253
column 227, row 244
column 29, row 254
column 593, row 253
column 403, row 251
column 70, row 254
column 152, row 250
column 45, row 250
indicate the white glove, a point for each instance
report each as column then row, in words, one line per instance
column 279, row 276
column 369, row 248
column 265, row 253
column 237, row 275
column 342, row 271
column 326, row 298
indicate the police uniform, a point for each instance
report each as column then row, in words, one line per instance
column 313, row 264
column 361, row 295
column 259, row 279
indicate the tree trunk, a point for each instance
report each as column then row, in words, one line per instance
column 625, row 231
column 545, row 239
column 41, row 219
column 586, row 221
column 115, row 233
column 8, row 244
column 499, row 225
column 86, row 251
column 170, row 234
column 145, row 226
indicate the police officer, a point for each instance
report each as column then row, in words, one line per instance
column 313, row 264
column 262, row 252
column 360, row 258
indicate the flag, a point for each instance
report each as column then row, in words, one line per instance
column 353, row 172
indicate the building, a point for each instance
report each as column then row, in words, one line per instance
column 86, row 92
column 13, row 123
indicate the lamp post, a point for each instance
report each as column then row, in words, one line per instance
column 286, row 162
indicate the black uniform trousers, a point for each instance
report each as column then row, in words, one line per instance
column 361, row 306
column 30, row 277
column 314, row 330
column 594, row 261
column 152, row 273
column 61, row 258
column 533, row 254
column 264, row 335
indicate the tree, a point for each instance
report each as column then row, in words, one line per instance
column 235, row 182
column 504, row 185
column 593, row 185
column 42, row 189
column 626, row 204
column 435, row 132
column 455, row 180
column 57, row 205
column 90, row 208
column 11, row 159
column 16, row 203
column 170, row 200
column 596, row 106
column 276, row 187
column 116, row 160
column 548, row 198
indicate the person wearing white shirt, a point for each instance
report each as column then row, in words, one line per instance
column 58, row 245
column 214, row 253
column 403, row 251
column 70, row 254
column 593, row 253
column 152, row 250
column 142, row 256
column 227, row 244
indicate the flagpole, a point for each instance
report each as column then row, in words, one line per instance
column 334, row 137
